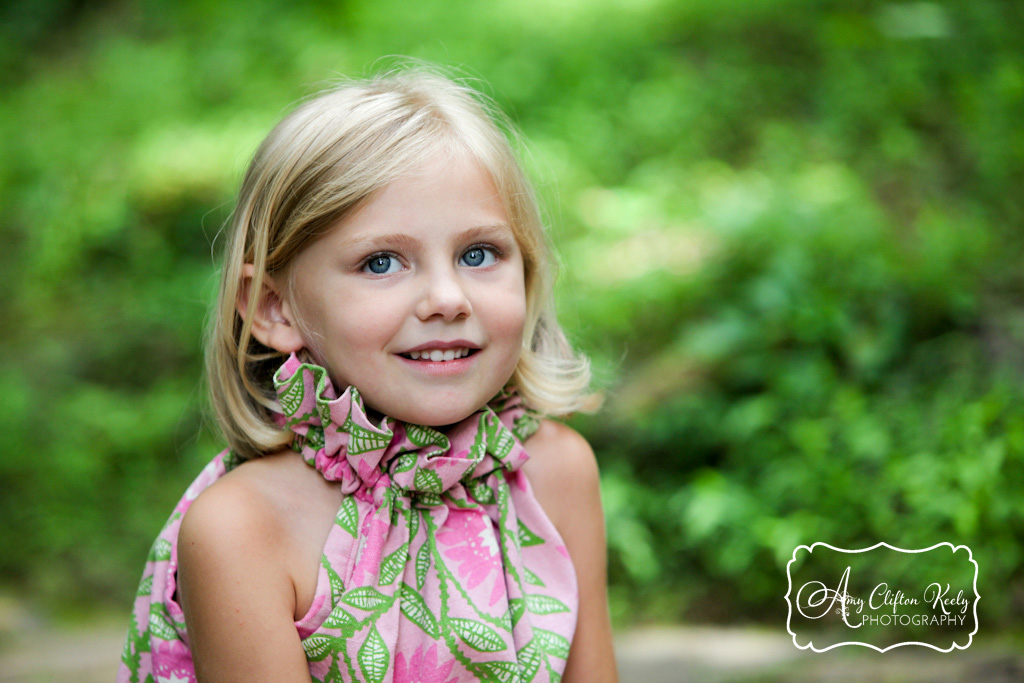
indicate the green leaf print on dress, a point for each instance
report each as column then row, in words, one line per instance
column 291, row 397
column 374, row 657
column 543, row 604
column 422, row 565
column 405, row 463
column 393, row 565
column 348, row 515
column 529, row 659
column 341, row 620
column 416, row 609
column 426, row 436
column 552, row 643
column 363, row 440
column 527, row 537
column 477, row 635
column 161, row 551
column 318, row 647
column 367, row 599
column 427, row 481
column 160, row 624
column 498, row 672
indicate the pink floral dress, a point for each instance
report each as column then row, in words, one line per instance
column 441, row 565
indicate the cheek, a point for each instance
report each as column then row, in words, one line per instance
column 510, row 319
column 332, row 326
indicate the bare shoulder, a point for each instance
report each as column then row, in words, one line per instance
column 274, row 513
column 562, row 470
column 234, row 524
column 243, row 506
column 558, row 449
column 236, row 574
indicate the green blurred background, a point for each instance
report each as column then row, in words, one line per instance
column 790, row 234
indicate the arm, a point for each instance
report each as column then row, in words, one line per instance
column 235, row 590
column 564, row 476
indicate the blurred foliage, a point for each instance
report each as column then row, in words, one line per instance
column 790, row 233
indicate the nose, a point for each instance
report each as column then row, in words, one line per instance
column 443, row 296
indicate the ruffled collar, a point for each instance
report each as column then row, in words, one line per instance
column 335, row 435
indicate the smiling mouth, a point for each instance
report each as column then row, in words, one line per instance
column 439, row 355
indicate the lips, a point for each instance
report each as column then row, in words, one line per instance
column 439, row 354
column 441, row 351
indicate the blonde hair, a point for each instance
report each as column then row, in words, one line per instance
column 320, row 164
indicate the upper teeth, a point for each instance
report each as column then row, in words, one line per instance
column 438, row 354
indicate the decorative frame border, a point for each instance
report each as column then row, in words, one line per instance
column 810, row 549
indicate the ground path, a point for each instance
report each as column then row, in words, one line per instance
column 89, row 654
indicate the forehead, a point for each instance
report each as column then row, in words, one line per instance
column 439, row 197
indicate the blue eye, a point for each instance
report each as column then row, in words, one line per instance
column 382, row 264
column 478, row 256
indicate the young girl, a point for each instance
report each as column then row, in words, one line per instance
column 392, row 507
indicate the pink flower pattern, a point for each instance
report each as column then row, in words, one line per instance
column 172, row 662
column 375, row 531
column 422, row 667
column 472, row 542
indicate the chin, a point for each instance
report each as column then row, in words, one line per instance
column 437, row 421
column 435, row 417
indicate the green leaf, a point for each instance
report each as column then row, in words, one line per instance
column 529, row 659
column 367, row 598
column 527, row 537
column 428, row 499
column 291, row 399
column 413, row 518
column 481, row 492
column 405, row 463
column 160, row 624
column 516, row 607
column 323, row 411
column 337, row 587
column 317, row 647
column 427, row 480
column 161, row 551
column 532, row 578
column 552, row 643
column 422, row 436
column 499, row 672
column 393, row 564
column 348, row 515
column 374, row 657
column 340, row 619
column 477, row 635
column 415, row 608
column 501, row 445
column 315, row 437
column 362, row 440
column 525, row 426
column 542, row 604
column 422, row 565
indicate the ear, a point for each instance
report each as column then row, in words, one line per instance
column 274, row 322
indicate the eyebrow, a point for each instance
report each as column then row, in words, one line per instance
column 484, row 231
column 403, row 241
column 395, row 240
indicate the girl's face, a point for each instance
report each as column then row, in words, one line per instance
column 418, row 300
